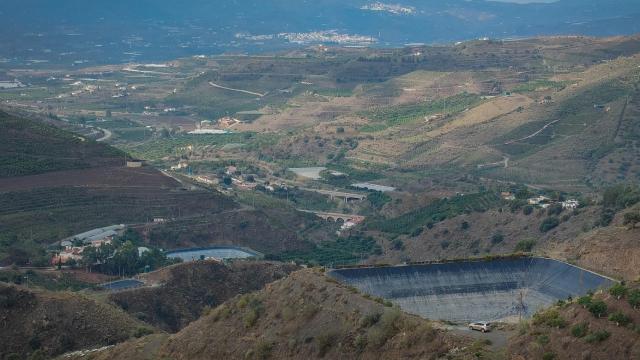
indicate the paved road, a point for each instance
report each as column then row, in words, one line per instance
column 107, row 134
column 236, row 90
column 339, row 194
column 532, row 135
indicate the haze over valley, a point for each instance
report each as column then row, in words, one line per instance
column 320, row 179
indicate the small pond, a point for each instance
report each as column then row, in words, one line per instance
column 218, row 252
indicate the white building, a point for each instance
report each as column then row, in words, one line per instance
column 570, row 204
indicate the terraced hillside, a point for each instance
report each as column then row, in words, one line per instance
column 30, row 147
column 35, row 210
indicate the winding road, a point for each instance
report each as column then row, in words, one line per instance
column 532, row 135
column 236, row 90
column 107, row 134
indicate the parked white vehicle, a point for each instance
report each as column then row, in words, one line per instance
column 480, row 326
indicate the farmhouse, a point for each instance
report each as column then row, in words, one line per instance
column 570, row 204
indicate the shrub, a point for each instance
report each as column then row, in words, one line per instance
column 523, row 327
column 621, row 196
column 548, row 356
column 370, row 320
column 263, row 350
column 555, row 209
column 497, row 238
column 250, row 318
column 253, row 312
column 525, row 245
column 417, row 232
column 598, row 308
column 397, row 244
column 598, row 336
column 465, row 225
column 38, row 355
column 325, row 342
column 360, row 342
column 585, row 301
column 549, row 224
column 385, row 329
column 631, row 219
column 619, row 318
column 618, row 290
column 527, row 210
column 142, row 331
column 309, row 311
column 550, row 318
column 634, row 298
column 221, row 312
column 579, row 330
column 606, row 217
column 543, row 339
column 378, row 199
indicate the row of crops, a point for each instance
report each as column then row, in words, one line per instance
column 405, row 114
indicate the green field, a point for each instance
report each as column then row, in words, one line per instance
column 343, row 251
column 433, row 213
column 385, row 117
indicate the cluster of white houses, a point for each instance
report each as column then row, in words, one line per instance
column 544, row 201
column 72, row 247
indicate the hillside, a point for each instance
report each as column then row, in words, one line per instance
column 572, row 331
column 185, row 290
column 612, row 250
column 302, row 316
column 54, row 323
column 29, row 147
column 577, row 238
column 35, row 208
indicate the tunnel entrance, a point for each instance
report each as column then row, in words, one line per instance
column 495, row 290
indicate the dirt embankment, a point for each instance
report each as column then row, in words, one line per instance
column 187, row 289
column 613, row 250
column 54, row 323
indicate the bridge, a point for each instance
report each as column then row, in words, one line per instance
column 336, row 216
column 338, row 194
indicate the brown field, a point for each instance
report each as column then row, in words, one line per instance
column 101, row 177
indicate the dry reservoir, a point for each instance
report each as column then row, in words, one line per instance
column 496, row 290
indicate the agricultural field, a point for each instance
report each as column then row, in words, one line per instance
column 430, row 121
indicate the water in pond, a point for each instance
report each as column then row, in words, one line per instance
column 308, row 172
column 220, row 253
column 122, row 285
